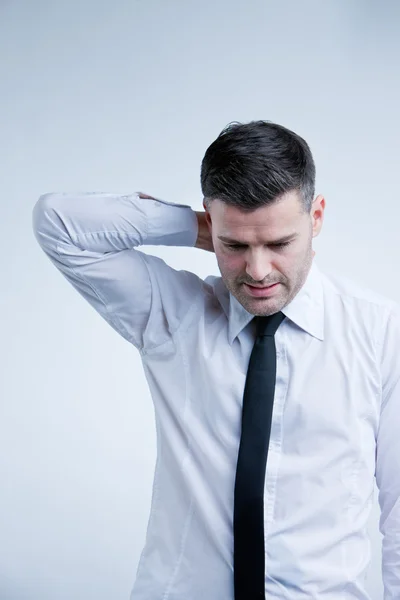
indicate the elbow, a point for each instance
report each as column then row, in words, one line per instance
column 45, row 221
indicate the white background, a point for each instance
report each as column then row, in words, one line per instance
column 126, row 96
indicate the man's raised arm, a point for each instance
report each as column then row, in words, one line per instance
column 92, row 239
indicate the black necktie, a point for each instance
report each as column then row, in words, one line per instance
column 248, row 518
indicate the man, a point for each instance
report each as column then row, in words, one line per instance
column 276, row 387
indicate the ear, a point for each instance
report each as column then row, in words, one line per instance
column 317, row 214
column 208, row 214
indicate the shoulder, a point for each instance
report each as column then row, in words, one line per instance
column 363, row 311
column 351, row 290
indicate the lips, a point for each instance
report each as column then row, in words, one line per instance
column 261, row 292
column 261, row 287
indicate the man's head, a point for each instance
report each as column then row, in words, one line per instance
column 258, row 182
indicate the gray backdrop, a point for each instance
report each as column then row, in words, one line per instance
column 125, row 96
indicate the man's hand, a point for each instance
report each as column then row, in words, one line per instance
column 141, row 195
column 204, row 239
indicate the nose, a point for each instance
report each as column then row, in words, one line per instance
column 259, row 269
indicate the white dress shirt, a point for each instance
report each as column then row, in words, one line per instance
column 336, row 415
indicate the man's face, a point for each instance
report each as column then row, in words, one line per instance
column 246, row 248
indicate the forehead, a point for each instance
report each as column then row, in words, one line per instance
column 282, row 217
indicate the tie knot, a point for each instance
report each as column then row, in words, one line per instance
column 269, row 325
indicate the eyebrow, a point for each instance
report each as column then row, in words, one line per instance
column 282, row 240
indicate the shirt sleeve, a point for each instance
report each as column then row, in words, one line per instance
column 388, row 456
column 92, row 239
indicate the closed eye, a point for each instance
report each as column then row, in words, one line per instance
column 239, row 246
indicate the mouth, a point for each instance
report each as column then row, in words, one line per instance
column 261, row 292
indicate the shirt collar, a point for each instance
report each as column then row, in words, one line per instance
column 306, row 309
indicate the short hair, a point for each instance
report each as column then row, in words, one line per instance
column 254, row 164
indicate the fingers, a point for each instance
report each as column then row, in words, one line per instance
column 142, row 195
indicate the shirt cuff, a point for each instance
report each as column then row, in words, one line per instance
column 169, row 224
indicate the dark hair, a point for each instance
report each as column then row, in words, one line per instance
column 253, row 164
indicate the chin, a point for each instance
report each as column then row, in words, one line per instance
column 267, row 307
column 262, row 306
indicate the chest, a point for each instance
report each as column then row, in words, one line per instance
column 325, row 391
